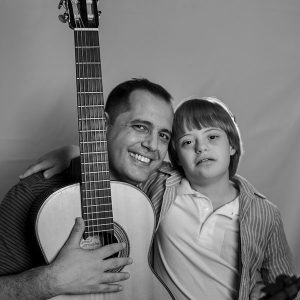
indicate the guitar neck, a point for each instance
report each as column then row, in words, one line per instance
column 95, row 187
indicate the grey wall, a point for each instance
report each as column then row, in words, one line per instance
column 244, row 52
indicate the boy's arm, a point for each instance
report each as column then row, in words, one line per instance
column 278, row 258
column 74, row 271
column 53, row 162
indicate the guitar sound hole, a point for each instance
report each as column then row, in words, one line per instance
column 106, row 239
column 102, row 239
column 119, row 236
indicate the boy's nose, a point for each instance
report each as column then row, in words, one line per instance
column 201, row 147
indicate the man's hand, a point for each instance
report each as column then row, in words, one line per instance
column 53, row 162
column 79, row 271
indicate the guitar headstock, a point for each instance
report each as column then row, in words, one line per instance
column 80, row 13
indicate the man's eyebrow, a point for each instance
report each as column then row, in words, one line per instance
column 141, row 121
column 150, row 124
column 167, row 131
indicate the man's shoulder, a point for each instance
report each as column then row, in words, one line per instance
column 166, row 170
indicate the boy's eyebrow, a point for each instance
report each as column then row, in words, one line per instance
column 205, row 130
column 212, row 128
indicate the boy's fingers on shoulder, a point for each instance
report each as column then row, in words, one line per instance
column 35, row 168
column 52, row 172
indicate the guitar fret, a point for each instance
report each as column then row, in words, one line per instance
column 95, row 105
column 102, row 211
column 93, row 130
column 97, row 231
column 108, row 218
column 94, row 118
column 97, row 225
column 90, row 92
column 94, row 172
column 79, row 78
column 89, row 63
column 96, row 205
column 87, row 47
column 95, row 163
column 92, row 181
column 100, row 152
column 87, row 190
column 85, row 29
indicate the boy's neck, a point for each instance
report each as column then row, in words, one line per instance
column 219, row 192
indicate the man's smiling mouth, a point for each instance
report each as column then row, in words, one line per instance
column 141, row 158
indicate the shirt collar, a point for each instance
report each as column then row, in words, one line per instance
column 230, row 209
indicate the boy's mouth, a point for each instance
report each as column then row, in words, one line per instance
column 203, row 160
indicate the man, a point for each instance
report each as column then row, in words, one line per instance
column 139, row 119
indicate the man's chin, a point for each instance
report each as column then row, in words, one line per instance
column 138, row 176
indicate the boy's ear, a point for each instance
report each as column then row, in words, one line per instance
column 232, row 151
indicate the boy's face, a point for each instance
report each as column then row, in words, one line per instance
column 204, row 155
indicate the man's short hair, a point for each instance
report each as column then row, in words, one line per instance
column 118, row 99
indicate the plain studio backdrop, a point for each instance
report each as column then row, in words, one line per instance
column 246, row 53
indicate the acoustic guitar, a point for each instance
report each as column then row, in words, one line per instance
column 112, row 211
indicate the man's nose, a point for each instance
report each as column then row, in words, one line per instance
column 151, row 142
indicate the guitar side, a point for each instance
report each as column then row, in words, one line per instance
column 134, row 225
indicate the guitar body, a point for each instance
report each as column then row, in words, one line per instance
column 112, row 211
column 134, row 224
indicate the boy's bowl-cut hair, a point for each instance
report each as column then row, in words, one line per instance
column 203, row 113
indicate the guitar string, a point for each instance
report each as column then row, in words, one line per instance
column 85, row 85
column 83, row 125
column 102, row 133
column 96, row 124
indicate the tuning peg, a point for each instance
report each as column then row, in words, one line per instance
column 63, row 18
column 61, row 3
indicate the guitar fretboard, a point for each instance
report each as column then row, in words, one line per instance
column 95, row 187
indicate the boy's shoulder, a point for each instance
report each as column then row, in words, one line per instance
column 249, row 193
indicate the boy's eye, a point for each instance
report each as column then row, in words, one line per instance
column 185, row 143
column 213, row 137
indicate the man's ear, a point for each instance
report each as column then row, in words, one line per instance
column 106, row 120
column 174, row 150
column 232, row 151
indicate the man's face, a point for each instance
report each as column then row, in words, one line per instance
column 138, row 139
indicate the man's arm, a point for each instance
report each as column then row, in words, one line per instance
column 74, row 271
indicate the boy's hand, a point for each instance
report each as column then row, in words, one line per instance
column 256, row 292
column 53, row 162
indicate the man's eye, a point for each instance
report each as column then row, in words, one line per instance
column 139, row 127
column 165, row 136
